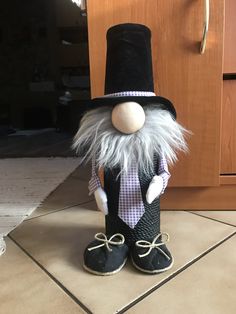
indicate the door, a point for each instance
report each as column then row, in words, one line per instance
column 192, row 81
column 228, row 143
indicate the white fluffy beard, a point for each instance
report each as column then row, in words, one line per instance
column 98, row 139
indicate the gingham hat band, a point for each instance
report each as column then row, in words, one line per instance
column 130, row 93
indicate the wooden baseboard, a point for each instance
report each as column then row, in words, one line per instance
column 207, row 198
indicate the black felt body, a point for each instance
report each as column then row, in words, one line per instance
column 149, row 224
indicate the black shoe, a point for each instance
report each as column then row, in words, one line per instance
column 152, row 257
column 106, row 256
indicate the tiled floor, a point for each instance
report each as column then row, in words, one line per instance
column 41, row 272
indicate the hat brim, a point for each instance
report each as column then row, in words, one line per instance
column 142, row 100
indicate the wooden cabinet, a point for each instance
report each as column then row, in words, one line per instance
column 230, row 37
column 206, row 177
column 191, row 80
column 228, row 129
column 228, row 142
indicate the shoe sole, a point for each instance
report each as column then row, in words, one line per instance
column 153, row 271
column 104, row 274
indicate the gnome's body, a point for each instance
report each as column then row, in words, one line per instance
column 131, row 135
column 128, row 211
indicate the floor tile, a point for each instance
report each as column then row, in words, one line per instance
column 7, row 224
column 206, row 287
column 228, row 216
column 26, row 289
column 71, row 192
column 58, row 241
column 83, row 172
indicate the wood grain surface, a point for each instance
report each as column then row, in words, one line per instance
column 230, row 37
column 200, row 198
column 192, row 81
column 228, row 140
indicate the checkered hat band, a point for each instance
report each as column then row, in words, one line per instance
column 130, row 93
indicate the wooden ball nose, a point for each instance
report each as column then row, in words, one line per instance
column 128, row 117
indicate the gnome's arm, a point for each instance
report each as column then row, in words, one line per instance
column 159, row 182
column 94, row 182
column 95, row 188
column 163, row 172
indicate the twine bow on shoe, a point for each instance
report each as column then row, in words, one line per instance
column 153, row 245
column 106, row 242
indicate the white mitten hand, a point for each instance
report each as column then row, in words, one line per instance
column 154, row 189
column 101, row 200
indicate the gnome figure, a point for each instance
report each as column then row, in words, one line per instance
column 131, row 135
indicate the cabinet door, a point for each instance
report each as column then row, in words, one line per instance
column 228, row 145
column 230, row 37
column 191, row 80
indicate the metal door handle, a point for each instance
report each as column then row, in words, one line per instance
column 205, row 26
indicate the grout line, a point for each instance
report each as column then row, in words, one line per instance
column 186, row 266
column 210, row 218
column 58, row 210
column 71, row 295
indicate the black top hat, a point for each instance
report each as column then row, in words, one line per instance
column 129, row 74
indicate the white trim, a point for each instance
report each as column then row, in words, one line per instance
column 130, row 93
